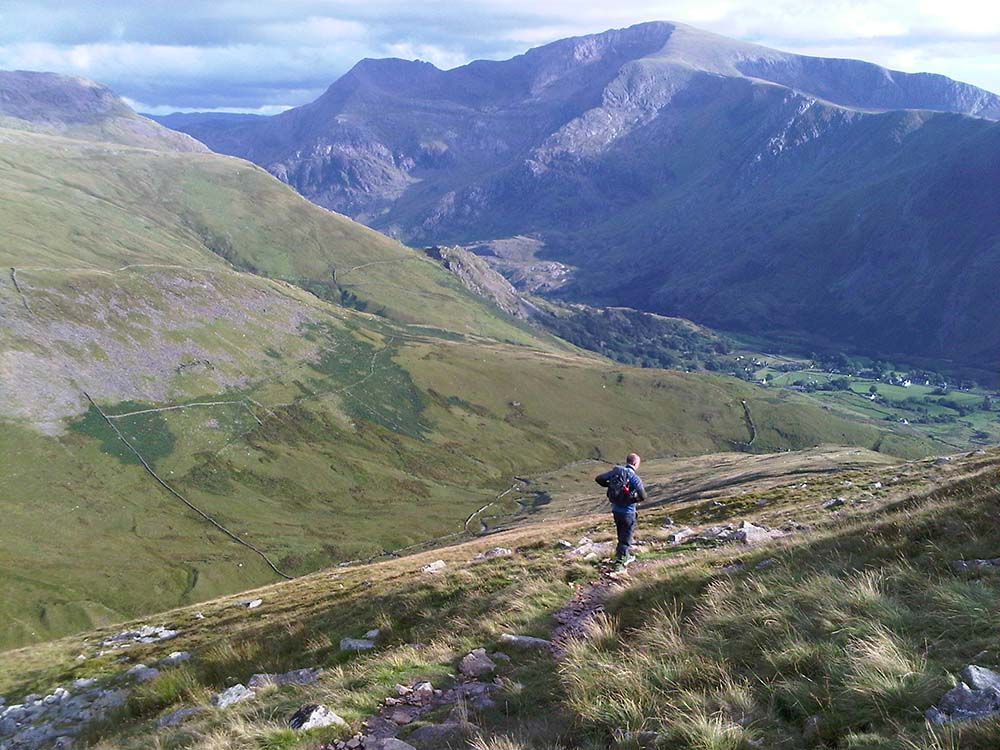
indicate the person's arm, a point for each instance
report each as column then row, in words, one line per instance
column 640, row 490
column 605, row 478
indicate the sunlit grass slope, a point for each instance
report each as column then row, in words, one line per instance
column 851, row 629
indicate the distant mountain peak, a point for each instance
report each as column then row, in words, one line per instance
column 79, row 108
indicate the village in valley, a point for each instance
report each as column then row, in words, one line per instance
column 958, row 412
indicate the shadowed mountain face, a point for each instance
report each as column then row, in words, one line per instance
column 829, row 202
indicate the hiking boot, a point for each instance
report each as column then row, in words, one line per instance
column 625, row 560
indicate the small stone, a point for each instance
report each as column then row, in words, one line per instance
column 494, row 553
column 84, row 683
column 353, row 743
column 356, row 644
column 563, row 544
column 476, row 663
column 680, row 535
column 175, row 658
column 199, row 616
column 435, row 567
column 142, row 673
column 250, row 603
column 500, row 656
column 178, row 716
column 423, row 688
column 835, row 502
column 236, row 694
column 314, row 716
column 373, row 634
column 401, row 716
column 524, row 641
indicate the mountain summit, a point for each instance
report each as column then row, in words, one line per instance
column 79, row 108
column 808, row 199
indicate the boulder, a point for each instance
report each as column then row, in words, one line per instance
column 180, row 715
column 401, row 716
column 356, row 644
column 314, row 716
column 236, row 694
column 476, row 664
column 524, row 641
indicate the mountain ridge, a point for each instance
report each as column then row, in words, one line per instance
column 698, row 165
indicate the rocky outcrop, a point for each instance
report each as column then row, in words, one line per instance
column 975, row 697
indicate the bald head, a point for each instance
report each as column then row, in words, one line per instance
column 633, row 460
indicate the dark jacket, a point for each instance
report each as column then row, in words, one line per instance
column 636, row 488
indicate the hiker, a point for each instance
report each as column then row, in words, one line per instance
column 625, row 489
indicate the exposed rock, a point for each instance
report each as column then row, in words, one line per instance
column 435, row 567
column 979, row 698
column 500, row 656
column 476, row 664
column 492, row 553
column 373, row 634
column 835, row 502
column 236, row 694
column 145, row 634
column 749, row 533
column 980, row 678
column 563, row 544
column 681, row 535
column 356, row 644
column 175, row 658
column 142, row 673
column 179, row 716
column 524, row 641
column 250, row 603
column 314, row 716
column 592, row 550
column 401, row 716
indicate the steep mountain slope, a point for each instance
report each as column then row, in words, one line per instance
column 833, row 202
column 320, row 390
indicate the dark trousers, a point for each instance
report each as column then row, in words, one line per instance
column 625, row 524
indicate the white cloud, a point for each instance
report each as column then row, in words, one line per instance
column 236, row 54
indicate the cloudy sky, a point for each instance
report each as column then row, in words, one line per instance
column 267, row 55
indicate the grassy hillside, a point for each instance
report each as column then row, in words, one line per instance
column 192, row 297
column 839, row 634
